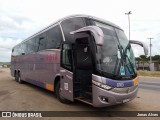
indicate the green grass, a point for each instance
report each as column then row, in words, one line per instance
column 149, row 73
column 6, row 63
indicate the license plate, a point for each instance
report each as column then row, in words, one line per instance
column 126, row 100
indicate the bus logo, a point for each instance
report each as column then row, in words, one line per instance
column 6, row 114
column 120, row 84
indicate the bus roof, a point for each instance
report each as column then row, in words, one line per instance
column 91, row 17
column 68, row 17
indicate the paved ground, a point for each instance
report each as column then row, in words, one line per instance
column 27, row 97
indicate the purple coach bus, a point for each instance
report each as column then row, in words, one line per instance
column 81, row 58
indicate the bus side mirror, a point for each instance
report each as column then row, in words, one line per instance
column 141, row 44
column 96, row 32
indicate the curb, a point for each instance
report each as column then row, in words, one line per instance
column 149, row 77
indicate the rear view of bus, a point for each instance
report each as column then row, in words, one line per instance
column 96, row 63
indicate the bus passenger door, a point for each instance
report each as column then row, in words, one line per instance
column 66, row 83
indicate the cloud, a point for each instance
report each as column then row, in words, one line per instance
column 8, row 43
column 14, row 27
column 6, row 46
column 18, row 19
column 155, row 50
column 14, row 19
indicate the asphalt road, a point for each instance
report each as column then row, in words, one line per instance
column 27, row 97
column 151, row 83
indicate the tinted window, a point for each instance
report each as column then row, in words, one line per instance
column 32, row 46
column 14, row 51
column 66, row 56
column 71, row 25
column 24, row 48
column 54, row 38
column 42, row 41
column 17, row 50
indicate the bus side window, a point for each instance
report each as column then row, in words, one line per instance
column 71, row 25
column 14, row 51
column 42, row 41
column 54, row 38
column 31, row 45
column 66, row 56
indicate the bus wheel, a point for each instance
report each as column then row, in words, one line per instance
column 19, row 78
column 58, row 95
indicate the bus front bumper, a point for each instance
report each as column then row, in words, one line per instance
column 103, row 98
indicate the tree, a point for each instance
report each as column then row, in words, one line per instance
column 156, row 58
column 144, row 59
column 138, row 59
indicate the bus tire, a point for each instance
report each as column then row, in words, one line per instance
column 59, row 97
column 20, row 81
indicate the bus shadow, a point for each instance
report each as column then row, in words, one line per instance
column 76, row 104
column 118, row 107
column 39, row 89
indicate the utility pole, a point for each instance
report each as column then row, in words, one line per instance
column 150, row 51
column 128, row 21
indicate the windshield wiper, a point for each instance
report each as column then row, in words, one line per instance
column 124, row 55
column 128, row 58
column 130, row 65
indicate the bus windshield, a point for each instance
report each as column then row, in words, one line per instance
column 115, row 56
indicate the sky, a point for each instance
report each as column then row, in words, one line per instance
column 20, row 19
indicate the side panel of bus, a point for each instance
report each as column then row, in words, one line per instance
column 38, row 59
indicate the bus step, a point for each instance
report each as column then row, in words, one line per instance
column 77, row 90
column 85, row 100
column 77, row 82
column 90, row 88
column 88, row 95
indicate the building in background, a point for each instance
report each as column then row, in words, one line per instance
column 155, row 66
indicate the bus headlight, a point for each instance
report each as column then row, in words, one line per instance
column 101, row 85
column 106, row 87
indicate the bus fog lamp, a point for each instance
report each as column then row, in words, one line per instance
column 103, row 99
